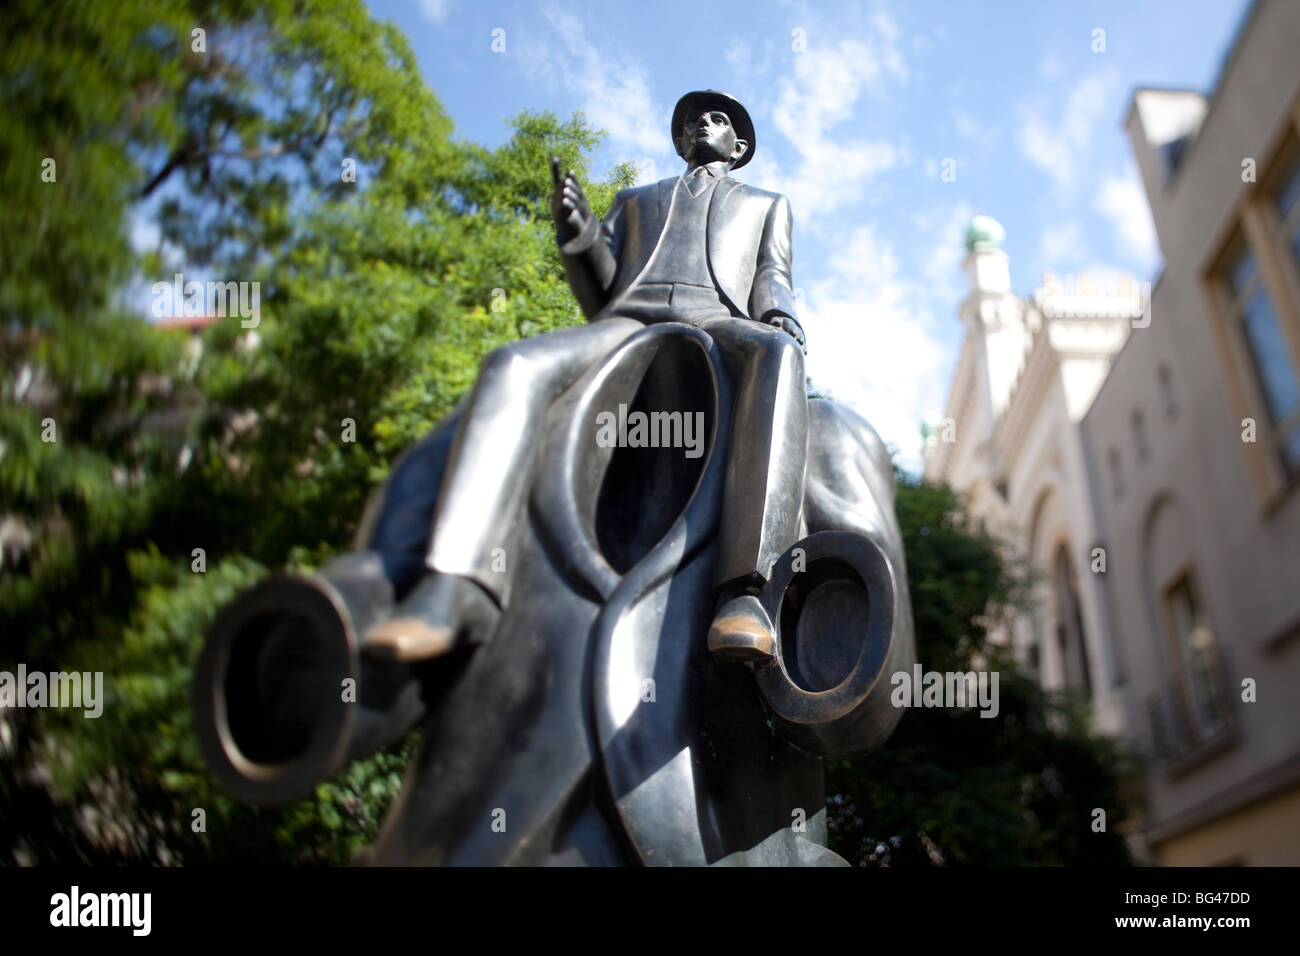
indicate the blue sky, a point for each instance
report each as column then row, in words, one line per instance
column 855, row 129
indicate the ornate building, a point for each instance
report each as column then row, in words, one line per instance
column 1165, row 447
column 1011, row 439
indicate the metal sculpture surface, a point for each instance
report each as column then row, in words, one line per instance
column 631, row 591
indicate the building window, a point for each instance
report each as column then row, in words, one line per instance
column 1200, row 695
column 1167, row 391
column 1254, row 288
column 1069, row 625
column 1287, row 233
column 1254, row 322
column 1287, row 199
column 1140, row 436
column 1191, row 715
column 1253, row 309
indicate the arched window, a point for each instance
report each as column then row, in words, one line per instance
column 1199, row 691
column 1069, row 623
column 1190, row 703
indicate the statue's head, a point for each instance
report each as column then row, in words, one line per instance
column 708, row 126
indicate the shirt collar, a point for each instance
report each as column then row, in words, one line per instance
column 717, row 169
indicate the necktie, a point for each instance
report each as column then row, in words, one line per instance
column 698, row 179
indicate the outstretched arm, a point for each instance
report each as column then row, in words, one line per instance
column 772, row 301
column 585, row 243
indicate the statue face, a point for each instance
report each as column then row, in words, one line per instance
column 709, row 136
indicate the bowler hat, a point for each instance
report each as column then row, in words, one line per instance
column 714, row 100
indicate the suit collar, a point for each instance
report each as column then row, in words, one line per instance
column 718, row 169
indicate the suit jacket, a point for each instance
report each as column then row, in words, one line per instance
column 748, row 247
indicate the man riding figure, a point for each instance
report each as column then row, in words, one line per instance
column 702, row 249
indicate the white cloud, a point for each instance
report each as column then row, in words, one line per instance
column 821, row 93
column 826, row 84
column 831, row 175
column 739, row 56
column 967, row 127
column 943, row 264
column 1122, row 200
column 648, row 171
column 872, row 341
column 435, row 10
column 974, row 130
column 865, row 260
column 1054, row 137
column 614, row 91
column 1061, row 245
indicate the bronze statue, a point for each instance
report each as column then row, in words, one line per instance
column 699, row 248
column 616, row 653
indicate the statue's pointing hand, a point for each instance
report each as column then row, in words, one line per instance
column 569, row 206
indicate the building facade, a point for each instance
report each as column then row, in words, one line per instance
column 1011, row 439
column 1196, row 441
column 1142, row 452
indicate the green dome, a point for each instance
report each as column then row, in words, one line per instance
column 984, row 234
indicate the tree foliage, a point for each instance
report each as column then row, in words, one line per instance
column 951, row 787
column 378, row 298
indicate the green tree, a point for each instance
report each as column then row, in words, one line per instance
column 380, row 293
column 951, row 787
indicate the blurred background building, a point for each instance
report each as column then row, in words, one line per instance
column 1142, row 453
column 1012, row 440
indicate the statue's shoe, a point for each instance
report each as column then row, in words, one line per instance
column 442, row 612
column 741, row 631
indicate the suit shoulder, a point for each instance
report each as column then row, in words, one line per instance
column 764, row 195
column 646, row 191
